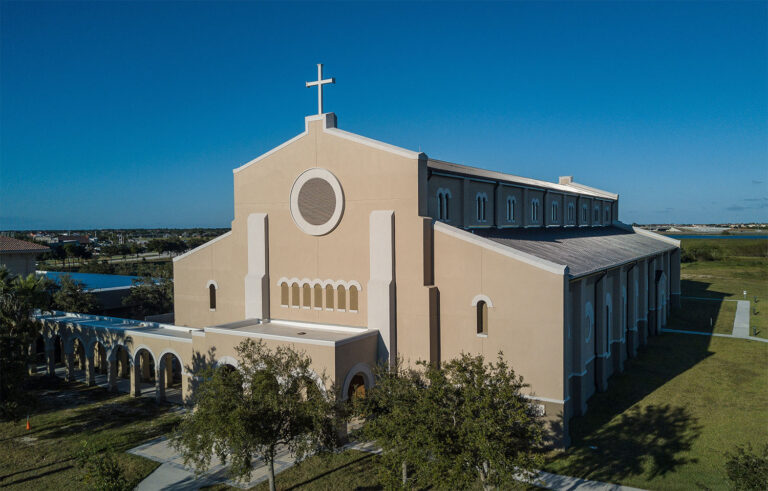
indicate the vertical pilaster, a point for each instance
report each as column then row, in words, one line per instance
column 601, row 355
column 674, row 273
column 257, row 279
column 381, row 286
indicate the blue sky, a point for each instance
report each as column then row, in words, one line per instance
column 134, row 114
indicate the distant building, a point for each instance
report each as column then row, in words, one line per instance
column 74, row 239
column 19, row 255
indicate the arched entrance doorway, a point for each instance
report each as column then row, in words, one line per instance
column 356, row 387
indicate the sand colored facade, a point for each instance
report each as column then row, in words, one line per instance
column 359, row 252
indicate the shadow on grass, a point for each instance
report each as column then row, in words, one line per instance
column 355, row 462
column 615, row 439
column 697, row 314
column 650, row 441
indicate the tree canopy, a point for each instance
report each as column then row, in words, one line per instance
column 150, row 296
column 19, row 296
column 72, row 297
column 271, row 401
column 452, row 427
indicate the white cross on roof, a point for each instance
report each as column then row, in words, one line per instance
column 320, row 82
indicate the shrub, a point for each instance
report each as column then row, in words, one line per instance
column 100, row 468
column 746, row 469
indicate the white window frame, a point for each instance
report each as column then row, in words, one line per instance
column 535, row 210
column 511, row 209
column 481, row 200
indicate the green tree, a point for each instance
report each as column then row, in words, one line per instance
column 748, row 469
column 18, row 329
column 454, row 426
column 72, row 297
column 271, row 401
column 150, row 296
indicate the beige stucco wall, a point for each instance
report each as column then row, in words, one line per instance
column 525, row 322
column 21, row 264
column 371, row 179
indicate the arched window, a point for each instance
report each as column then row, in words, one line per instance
column 482, row 203
column 306, row 291
column 443, row 204
column 607, row 215
column 212, row 296
column 329, row 297
column 584, row 213
column 589, row 314
column 284, row 295
column 510, row 208
column 318, row 296
column 597, row 213
column 353, row 298
column 534, row 211
column 295, row 292
column 341, row 301
column 482, row 317
column 571, row 212
column 554, row 211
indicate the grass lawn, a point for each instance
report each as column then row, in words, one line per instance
column 704, row 316
column 666, row 422
column 67, row 414
column 740, row 265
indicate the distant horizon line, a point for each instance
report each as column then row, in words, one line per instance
column 83, row 229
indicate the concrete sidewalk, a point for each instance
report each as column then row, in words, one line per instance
column 741, row 322
column 173, row 475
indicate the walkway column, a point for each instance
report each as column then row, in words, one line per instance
column 168, row 370
column 145, row 365
column 186, row 392
column 135, row 379
column 90, row 375
column 159, row 382
column 112, row 375
column 124, row 365
column 50, row 359
column 69, row 365
column 33, row 358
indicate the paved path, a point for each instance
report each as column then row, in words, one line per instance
column 173, row 475
column 564, row 483
column 741, row 322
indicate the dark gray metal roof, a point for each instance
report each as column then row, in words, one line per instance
column 583, row 250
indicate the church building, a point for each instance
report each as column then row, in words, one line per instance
column 359, row 252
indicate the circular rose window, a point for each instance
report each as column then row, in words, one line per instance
column 317, row 201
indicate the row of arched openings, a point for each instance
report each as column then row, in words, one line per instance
column 316, row 296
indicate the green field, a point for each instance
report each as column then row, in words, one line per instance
column 67, row 414
column 738, row 265
column 666, row 422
